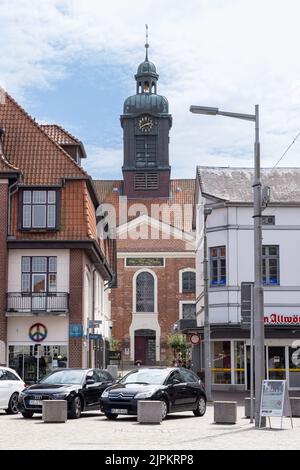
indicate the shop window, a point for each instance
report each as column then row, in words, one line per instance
column 221, row 368
column 270, row 260
column 294, row 366
column 218, row 266
column 188, row 282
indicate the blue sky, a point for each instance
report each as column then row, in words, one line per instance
column 72, row 62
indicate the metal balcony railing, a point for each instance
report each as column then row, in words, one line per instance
column 24, row 302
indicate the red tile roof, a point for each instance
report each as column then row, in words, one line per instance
column 181, row 193
column 59, row 134
column 28, row 147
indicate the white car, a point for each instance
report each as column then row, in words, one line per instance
column 11, row 385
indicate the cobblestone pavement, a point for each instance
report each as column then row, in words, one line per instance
column 180, row 431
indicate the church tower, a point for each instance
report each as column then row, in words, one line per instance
column 146, row 123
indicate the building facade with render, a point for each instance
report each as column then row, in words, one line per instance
column 55, row 271
column 229, row 229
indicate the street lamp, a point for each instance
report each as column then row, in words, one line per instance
column 207, row 352
column 258, row 285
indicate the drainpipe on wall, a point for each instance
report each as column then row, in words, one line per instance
column 93, row 316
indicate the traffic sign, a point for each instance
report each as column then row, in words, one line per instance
column 194, row 338
column 94, row 323
column 95, row 337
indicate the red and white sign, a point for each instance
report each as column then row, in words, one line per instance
column 278, row 319
column 194, row 338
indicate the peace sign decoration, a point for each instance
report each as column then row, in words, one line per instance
column 38, row 332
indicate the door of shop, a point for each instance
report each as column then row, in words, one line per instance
column 276, row 363
column 34, row 362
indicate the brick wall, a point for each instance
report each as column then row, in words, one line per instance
column 168, row 301
column 3, row 266
column 76, row 304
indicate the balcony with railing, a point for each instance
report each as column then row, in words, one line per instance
column 32, row 302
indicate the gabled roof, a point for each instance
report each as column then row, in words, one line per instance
column 62, row 136
column 181, row 193
column 235, row 184
column 28, row 148
column 158, row 225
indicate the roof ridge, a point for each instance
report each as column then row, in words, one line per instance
column 38, row 126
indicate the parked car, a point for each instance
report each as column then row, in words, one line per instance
column 82, row 388
column 11, row 386
column 178, row 389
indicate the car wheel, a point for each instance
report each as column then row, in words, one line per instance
column 111, row 416
column 13, row 405
column 75, row 408
column 201, row 407
column 27, row 414
column 164, row 406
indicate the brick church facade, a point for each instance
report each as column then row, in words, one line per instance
column 151, row 217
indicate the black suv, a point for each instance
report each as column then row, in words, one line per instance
column 82, row 388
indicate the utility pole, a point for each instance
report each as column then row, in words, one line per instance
column 259, row 346
column 207, row 351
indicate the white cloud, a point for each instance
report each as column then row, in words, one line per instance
column 224, row 53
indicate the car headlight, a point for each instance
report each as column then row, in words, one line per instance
column 104, row 394
column 147, row 394
column 59, row 396
column 23, row 393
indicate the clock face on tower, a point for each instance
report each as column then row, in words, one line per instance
column 145, row 124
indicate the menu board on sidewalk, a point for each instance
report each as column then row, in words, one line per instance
column 274, row 399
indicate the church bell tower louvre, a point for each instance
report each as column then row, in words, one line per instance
column 146, row 123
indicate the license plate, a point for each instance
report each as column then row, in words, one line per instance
column 35, row 402
column 119, row 411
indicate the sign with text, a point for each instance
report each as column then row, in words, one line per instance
column 246, row 304
column 75, row 330
column 114, row 355
column 274, row 399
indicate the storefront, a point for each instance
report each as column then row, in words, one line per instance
column 37, row 345
column 231, row 362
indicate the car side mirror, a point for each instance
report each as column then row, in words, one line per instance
column 90, row 381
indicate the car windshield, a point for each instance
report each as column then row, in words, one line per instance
column 64, row 377
column 146, row 376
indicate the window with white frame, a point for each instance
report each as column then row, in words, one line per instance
column 270, row 260
column 39, row 274
column 145, row 292
column 218, row 266
column 39, row 209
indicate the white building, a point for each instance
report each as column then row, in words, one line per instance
column 228, row 192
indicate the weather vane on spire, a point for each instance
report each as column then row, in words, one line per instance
column 147, row 44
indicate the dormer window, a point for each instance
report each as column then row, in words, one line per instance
column 39, row 209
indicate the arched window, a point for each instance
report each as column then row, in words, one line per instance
column 145, row 292
column 188, row 282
